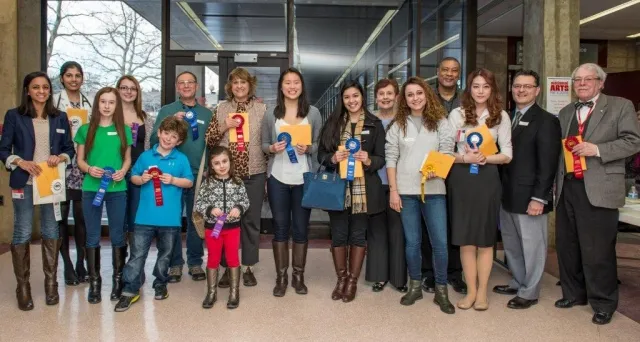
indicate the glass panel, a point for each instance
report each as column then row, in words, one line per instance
column 208, row 83
column 267, row 90
column 228, row 25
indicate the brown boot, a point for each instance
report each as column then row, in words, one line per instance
column 340, row 264
column 298, row 264
column 50, row 249
column 356, row 257
column 281, row 257
column 21, row 264
column 234, row 289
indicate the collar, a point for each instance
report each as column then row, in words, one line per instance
column 171, row 154
column 524, row 110
column 63, row 101
column 593, row 99
column 182, row 104
column 437, row 91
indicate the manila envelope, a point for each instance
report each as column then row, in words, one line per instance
column 300, row 134
column 488, row 146
column 440, row 162
column 568, row 157
column 359, row 172
column 233, row 135
column 46, row 178
column 77, row 117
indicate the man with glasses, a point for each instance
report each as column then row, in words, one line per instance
column 527, row 195
column 198, row 118
column 600, row 131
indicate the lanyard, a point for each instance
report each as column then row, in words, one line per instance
column 582, row 122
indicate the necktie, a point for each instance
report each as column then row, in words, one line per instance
column 579, row 105
column 516, row 120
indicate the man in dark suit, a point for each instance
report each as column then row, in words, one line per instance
column 527, row 191
column 588, row 198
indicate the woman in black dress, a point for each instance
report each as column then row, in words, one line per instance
column 474, row 184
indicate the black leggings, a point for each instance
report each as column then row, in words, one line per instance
column 348, row 229
column 79, row 230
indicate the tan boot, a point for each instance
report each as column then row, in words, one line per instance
column 212, row 288
column 234, row 289
column 50, row 249
column 281, row 257
column 21, row 264
column 298, row 265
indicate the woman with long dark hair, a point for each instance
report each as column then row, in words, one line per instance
column 71, row 99
column 364, row 197
column 474, row 184
column 285, row 183
column 34, row 133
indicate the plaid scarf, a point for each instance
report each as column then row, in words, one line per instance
column 356, row 194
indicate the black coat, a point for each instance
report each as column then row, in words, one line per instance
column 373, row 143
column 536, row 151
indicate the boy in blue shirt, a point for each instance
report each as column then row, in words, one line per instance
column 162, row 172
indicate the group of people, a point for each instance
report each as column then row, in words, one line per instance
column 428, row 228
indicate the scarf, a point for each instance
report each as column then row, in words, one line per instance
column 356, row 194
column 241, row 107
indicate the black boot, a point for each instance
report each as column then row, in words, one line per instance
column 224, row 280
column 234, row 289
column 81, row 271
column 414, row 293
column 212, row 288
column 95, row 281
column 118, row 259
column 281, row 257
column 298, row 264
column 442, row 299
column 21, row 264
column 50, row 249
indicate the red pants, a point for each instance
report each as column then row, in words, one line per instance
column 230, row 239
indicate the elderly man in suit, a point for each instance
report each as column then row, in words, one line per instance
column 527, row 196
column 588, row 198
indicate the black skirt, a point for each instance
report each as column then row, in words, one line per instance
column 474, row 205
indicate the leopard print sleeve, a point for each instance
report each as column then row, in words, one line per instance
column 214, row 133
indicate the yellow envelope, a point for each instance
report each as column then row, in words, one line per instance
column 359, row 172
column 488, row 146
column 439, row 162
column 45, row 179
column 233, row 135
column 568, row 157
column 300, row 134
column 77, row 117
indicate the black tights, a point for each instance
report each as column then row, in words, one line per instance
column 79, row 234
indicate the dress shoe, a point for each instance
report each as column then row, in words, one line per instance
column 429, row 284
column 521, row 303
column 458, row 285
column 402, row 289
column 601, row 317
column 565, row 303
column 505, row 290
column 378, row 286
column 248, row 279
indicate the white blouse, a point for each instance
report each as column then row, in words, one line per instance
column 285, row 171
column 501, row 133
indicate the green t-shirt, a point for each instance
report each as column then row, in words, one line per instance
column 105, row 152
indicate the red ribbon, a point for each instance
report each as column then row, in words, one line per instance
column 239, row 132
column 569, row 144
column 157, row 188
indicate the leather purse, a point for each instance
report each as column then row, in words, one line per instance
column 323, row 190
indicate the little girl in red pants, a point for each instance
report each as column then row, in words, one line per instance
column 222, row 200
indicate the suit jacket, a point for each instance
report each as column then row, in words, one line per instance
column 373, row 143
column 531, row 172
column 18, row 138
column 614, row 128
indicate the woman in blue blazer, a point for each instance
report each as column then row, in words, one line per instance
column 36, row 132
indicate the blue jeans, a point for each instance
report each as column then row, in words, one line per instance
column 434, row 213
column 195, row 245
column 116, row 203
column 23, row 219
column 286, row 207
column 133, row 199
column 133, row 273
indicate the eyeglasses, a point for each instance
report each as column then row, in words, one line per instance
column 523, row 86
column 586, row 79
column 126, row 89
column 186, row 83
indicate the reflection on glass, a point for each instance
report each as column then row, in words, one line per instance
column 208, row 80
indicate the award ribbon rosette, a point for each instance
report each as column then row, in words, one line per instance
column 352, row 145
column 286, row 137
column 436, row 162
column 476, row 139
column 155, row 173
column 237, row 135
column 134, row 132
column 106, row 179
column 192, row 120
column 218, row 227
column 574, row 164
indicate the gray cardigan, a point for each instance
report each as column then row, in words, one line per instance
column 269, row 136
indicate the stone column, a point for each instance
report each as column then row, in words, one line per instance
column 551, row 47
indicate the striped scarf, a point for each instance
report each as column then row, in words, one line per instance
column 356, row 194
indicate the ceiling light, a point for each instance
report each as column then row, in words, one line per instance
column 634, row 35
column 426, row 52
column 609, row 11
column 188, row 11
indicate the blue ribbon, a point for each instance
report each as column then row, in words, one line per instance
column 192, row 118
column 286, row 137
column 353, row 146
column 218, row 227
column 476, row 139
column 106, row 179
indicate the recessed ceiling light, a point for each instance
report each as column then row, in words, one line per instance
column 634, row 35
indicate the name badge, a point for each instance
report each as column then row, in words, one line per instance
column 461, row 135
column 365, row 132
column 523, row 123
column 60, row 130
column 17, row 193
column 112, row 133
column 201, row 122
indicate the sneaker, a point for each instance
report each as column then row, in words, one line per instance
column 161, row 292
column 125, row 302
column 197, row 273
column 175, row 274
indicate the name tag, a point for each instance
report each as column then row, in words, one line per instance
column 365, row 132
column 523, row 123
column 60, row 130
column 461, row 135
column 112, row 133
column 17, row 194
column 200, row 122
